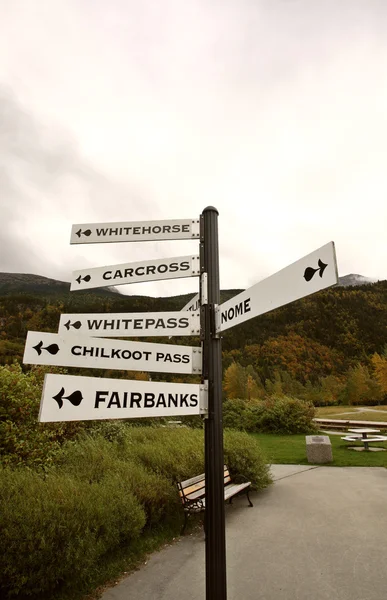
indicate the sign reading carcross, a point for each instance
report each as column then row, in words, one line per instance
column 137, row 231
column 153, row 270
column 96, row 353
column 310, row 274
column 131, row 324
column 73, row 398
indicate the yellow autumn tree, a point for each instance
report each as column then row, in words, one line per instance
column 380, row 369
column 234, row 383
column 242, row 382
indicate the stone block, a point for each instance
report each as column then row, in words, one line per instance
column 318, row 449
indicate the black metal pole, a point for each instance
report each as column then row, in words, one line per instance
column 216, row 583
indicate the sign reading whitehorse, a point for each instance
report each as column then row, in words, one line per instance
column 138, row 231
column 73, row 398
column 150, row 270
column 96, row 353
column 131, row 324
column 308, row 275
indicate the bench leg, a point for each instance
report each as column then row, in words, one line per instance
column 248, row 498
column 185, row 523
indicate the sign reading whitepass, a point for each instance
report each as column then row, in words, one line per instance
column 150, row 270
column 310, row 274
column 136, row 231
column 131, row 324
column 96, row 353
column 74, row 398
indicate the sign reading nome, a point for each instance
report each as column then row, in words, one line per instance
column 153, row 270
column 310, row 274
column 74, row 398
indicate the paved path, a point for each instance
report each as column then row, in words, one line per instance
column 317, row 532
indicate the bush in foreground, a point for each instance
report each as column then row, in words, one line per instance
column 57, row 526
column 277, row 414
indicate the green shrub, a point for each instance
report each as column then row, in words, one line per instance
column 234, row 410
column 176, row 453
column 93, row 459
column 244, row 457
column 23, row 440
column 57, row 526
column 179, row 453
column 281, row 414
column 277, row 414
column 55, row 529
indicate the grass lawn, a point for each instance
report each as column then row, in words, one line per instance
column 349, row 413
column 330, row 411
column 362, row 416
column 290, row 449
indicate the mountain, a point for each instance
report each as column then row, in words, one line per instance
column 341, row 326
column 26, row 283
column 354, row 279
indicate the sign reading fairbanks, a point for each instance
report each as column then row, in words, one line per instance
column 149, row 270
column 308, row 275
column 137, row 231
column 96, row 353
column 131, row 324
column 74, row 398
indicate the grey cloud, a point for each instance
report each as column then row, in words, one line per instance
column 40, row 171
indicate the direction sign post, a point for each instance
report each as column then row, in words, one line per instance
column 96, row 353
column 150, row 270
column 131, row 324
column 75, row 398
column 138, row 231
column 310, row 274
column 216, row 585
column 68, row 397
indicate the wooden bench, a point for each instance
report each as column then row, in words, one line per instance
column 193, row 493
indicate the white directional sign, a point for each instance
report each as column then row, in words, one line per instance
column 149, row 270
column 131, row 324
column 138, row 231
column 193, row 304
column 308, row 275
column 96, row 353
column 73, row 398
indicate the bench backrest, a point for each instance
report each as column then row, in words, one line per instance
column 194, row 489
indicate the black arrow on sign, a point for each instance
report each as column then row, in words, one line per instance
column 52, row 348
column 75, row 398
column 86, row 233
column 85, row 278
column 76, row 325
column 310, row 272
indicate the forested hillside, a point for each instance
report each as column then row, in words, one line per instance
column 320, row 336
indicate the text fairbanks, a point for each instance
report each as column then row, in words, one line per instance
column 110, row 399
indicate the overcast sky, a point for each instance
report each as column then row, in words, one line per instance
column 274, row 111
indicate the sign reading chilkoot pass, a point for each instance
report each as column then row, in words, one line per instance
column 150, row 270
column 131, row 324
column 310, row 274
column 96, row 353
column 73, row 398
column 138, row 231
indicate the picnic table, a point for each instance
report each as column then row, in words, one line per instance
column 360, row 434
